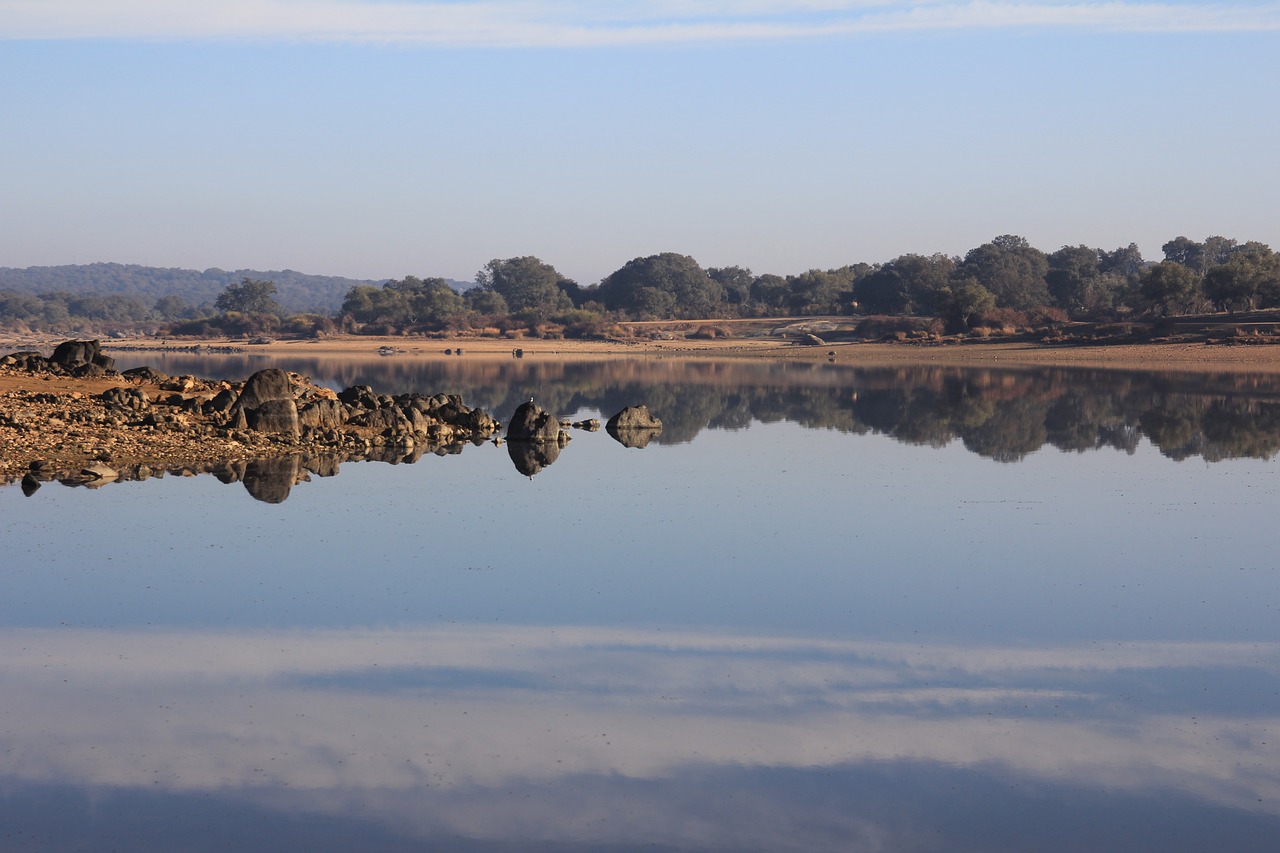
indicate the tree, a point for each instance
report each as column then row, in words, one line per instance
column 909, row 284
column 662, row 286
column 1073, row 273
column 1171, row 286
column 1010, row 269
column 1247, row 277
column 821, row 291
column 250, row 296
column 736, row 282
column 173, row 307
column 968, row 300
column 1125, row 261
column 484, row 301
column 526, row 283
column 770, row 292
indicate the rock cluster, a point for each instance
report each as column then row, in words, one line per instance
column 145, row 421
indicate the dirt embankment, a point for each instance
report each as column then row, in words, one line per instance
column 71, row 417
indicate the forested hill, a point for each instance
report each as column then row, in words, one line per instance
column 296, row 292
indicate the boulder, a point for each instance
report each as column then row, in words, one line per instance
column 72, row 354
column 531, row 423
column 361, row 396
column 323, row 414
column 145, row 375
column 276, row 417
column 633, row 417
column 92, row 370
column 265, row 386
column 634, row 426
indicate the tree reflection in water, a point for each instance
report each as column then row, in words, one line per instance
column 1001, row 414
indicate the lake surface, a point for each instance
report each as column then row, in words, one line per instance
column 826, row 609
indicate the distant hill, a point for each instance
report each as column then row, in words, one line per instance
column 295, row 291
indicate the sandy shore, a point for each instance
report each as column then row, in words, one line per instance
column 1196, row 357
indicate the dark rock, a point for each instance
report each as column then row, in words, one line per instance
column 221, row 402
column 634, row 426
column 383, row 420
column 265, row 386
column 633, row 417
column 72, row 354
column 589, row 425
column 531, row 423
column 147, row 375
column 91, row 370
column 323, row 415
column 277, row 417
column 361, row 396
column 132, row 399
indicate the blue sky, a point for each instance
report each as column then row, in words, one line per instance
column 381, row 139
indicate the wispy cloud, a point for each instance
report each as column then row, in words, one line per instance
column 570, row 23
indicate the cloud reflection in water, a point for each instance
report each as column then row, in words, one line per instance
column 423, row 726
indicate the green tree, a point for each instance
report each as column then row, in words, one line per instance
column 735, row 281
column 250, row 296
column 662, row 286
column 770, row 292
column 967, row 301
column 1248, row 276
column 822, row 291
column 1010, row 269
column 1170, row 286
column 488, row 302
column 909, row 284
column 1074, row 272
column 526, row 283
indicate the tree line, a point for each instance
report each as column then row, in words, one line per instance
column 1005, row 282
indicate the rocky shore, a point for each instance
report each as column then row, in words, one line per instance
column 72, row 417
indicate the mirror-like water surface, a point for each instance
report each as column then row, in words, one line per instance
column 827, row 608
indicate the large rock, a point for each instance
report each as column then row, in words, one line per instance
column 532, row 423
column 323, row 415
column 265, row 386
column 634, row 426
column 277, row 417
column 633, row 417
column 72, row 354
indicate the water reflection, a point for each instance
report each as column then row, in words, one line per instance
column 558, row 734
column 1001, row 414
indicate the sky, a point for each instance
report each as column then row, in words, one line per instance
column 383, row 138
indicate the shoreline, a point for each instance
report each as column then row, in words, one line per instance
column 66, row 424
column 1195, row 357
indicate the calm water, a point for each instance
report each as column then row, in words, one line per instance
column 827, row 609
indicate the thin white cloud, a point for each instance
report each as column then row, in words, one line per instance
column 570, row 23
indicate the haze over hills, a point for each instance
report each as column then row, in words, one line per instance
column 295, row 291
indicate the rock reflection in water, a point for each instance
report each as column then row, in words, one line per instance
column 532, row 457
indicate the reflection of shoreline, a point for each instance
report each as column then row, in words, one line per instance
column 999, row 413
column 359, row 715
